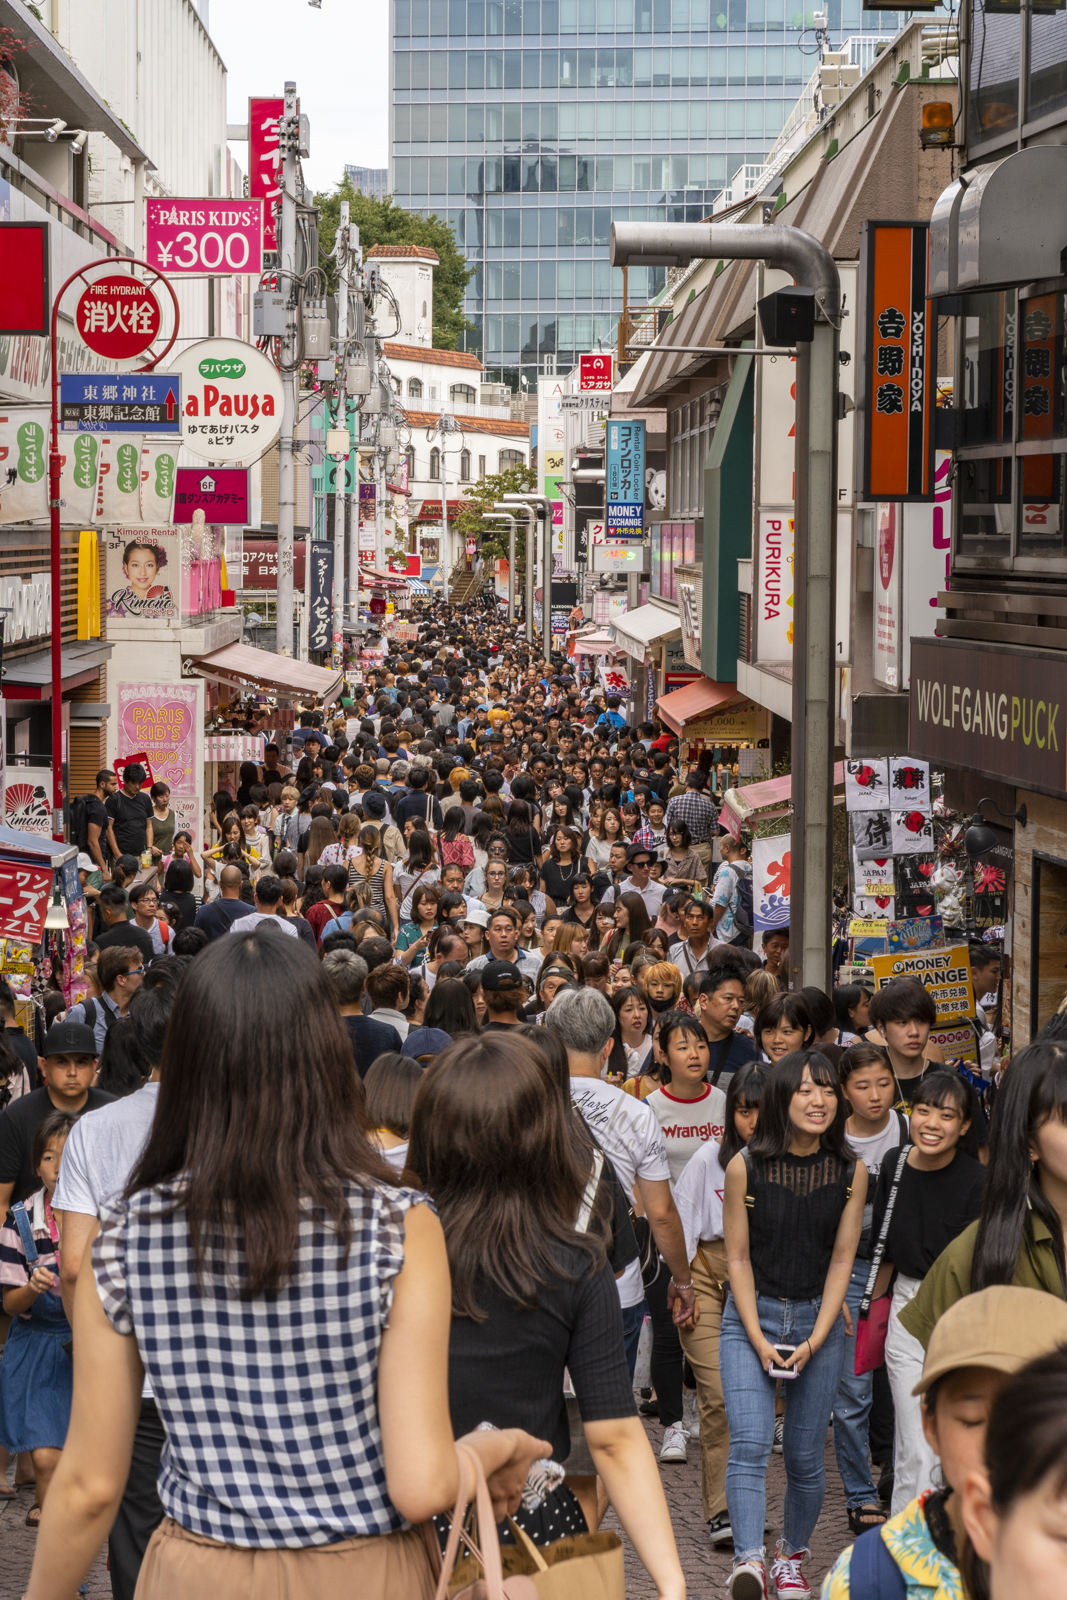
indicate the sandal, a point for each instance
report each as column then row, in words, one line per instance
column 31, row 1520
column 864, row 1518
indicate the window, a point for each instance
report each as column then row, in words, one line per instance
column 464, row 393
column 397, row 386
column 409, row 456
column 511, row 458
column 481, row 466
column 435, row 464
column 691, row 429
column 414, row 388
column 464, row 466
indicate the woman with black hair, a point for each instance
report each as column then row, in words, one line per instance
column 698, row 1196
column 524, row 842
column 792, row 1215
column 451, row 1009
column 782, row 1027
column 850, row 1009
column 582, row 907
column 419, row 870
column 562, row 863
column 178, row 886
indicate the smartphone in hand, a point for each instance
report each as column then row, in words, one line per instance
column 783, row 1352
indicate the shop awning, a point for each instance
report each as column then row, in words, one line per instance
column 739, row 805
column 597, row 643
column 241, row 664
column 30, row 677
column 417, row 586
column 638, row 629
column 695, row 700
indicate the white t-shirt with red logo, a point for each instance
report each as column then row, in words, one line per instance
column 687, row 1124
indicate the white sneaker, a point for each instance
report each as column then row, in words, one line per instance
column 675, row 1440
column 788, row 1574
column 690, row 1413
column 747, row 1582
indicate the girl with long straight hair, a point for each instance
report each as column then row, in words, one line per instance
column 524, row 842
column 532, row 1289
column 792, row 1215
column 260, row 1206
column 632, row 922
column 1019, row 1235
column 698, row 1196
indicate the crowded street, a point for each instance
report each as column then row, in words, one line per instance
column 533, row 855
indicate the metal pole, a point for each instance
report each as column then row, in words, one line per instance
column 379, row 508
column 503, row 514
column 286, row 465
column 545, row 518
column 814, row 653
column 446, row 536
column 55, row 466
column 352, row 500
column 531, row 556
column 342, row 466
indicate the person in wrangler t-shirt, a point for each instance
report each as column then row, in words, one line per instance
column 689, row 1112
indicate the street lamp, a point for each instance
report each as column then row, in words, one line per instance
column 979, row 836
column 537, row 507
column 501, row 513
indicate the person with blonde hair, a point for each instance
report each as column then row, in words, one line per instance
column 761, row 987
column 572, row 939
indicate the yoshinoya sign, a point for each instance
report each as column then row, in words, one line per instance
column 232, row 409
column 990, row 709
column 896, row 394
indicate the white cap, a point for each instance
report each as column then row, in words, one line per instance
column 85, row 862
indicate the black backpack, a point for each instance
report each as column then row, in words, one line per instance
column 743, row 915
column 79, row 821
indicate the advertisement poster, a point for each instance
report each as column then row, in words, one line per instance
column 159, row 466
column 28, row 800
column 118, row 484
column 774, row 624
column 945, row 974
column 915, row 933
column 770, row 882
column 233, row 400
column 142, row 573
column 320, row 624
column 24, row 464
column 160, row 720
column 626, row 461
column 887, row 598
column 24, row 894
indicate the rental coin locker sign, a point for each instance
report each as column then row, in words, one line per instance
column 232, row 407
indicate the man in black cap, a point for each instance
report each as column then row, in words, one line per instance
column 68, row 1068
column 505, row 994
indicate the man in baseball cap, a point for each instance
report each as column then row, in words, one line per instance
column 68, row 1069
column 505, row 995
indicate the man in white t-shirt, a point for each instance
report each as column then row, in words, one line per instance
column 268, row 902
column 628, row 1133
column 98, row 1157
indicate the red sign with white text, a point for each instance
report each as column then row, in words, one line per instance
column 221, row 493
column 265, row 175
column 118, row 317
column 223, row 236
column 24, row 896
column 594, row 371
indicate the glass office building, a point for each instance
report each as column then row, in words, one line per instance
column 530, row 124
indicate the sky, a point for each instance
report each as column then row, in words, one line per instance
column 338, row 58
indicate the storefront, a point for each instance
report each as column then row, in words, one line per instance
column 642, row 635
column 720, row 731
column 1000, row 713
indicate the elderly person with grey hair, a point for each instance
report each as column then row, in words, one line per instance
column 627, row 1131
column 347, row 973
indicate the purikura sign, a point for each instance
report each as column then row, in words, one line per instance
column 232, row 400
column 161, row 720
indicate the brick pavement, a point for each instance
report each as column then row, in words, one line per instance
column 706, row 1571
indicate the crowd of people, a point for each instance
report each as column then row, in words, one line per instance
column 277, row 1296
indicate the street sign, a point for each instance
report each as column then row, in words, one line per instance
column 585, row 402
column 223, row 236
column 625, row 480
column 625, row 519
column 120, row 402
column 264, row 176
column 117, row 317
column 221, row 493
column 233, row 400
column 594, row 371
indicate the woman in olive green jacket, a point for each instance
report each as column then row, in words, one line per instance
column 1019, row 1237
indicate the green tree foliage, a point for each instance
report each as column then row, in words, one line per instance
column 492, row 537
column 384, row 222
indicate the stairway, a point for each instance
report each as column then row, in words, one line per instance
column 462, row 586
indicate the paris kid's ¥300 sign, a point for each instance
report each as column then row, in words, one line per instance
column 899, row 351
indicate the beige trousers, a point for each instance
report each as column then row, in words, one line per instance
column 701, row 1345
column 179, row 1565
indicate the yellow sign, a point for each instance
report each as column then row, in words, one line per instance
column 739, row 722
column 88, row 585
column 868, row 928
column 945, row 974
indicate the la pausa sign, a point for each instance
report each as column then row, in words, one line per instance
column 232, row 399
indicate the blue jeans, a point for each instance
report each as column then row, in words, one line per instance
column 633, row 1320
column 749, row 1397
column 852, row 1409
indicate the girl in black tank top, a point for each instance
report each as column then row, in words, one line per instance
column 792, row 1216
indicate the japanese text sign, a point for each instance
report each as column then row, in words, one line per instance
column 594, row 371
column 264, row 179
column 945, row 974
column 120, row 402
column 24, row 895
column 626, row 520
column 222, row 236
column 898, row 352
column 320, row 624
column 233, row 399
column 220, row 492
column 626, row 461
column 27, row 800
column 770, row 882
column 118, row 317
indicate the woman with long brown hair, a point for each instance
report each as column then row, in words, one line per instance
column 632, row 922
column 533, row 1290
column 606, row 831
column 260, row 1208
column 370, row 870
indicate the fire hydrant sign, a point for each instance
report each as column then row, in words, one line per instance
column 24, row 894
column 232, row 408
column 223, row 236
column 118, row 317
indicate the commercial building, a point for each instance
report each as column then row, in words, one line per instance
column 372, row 181
column 530, row 124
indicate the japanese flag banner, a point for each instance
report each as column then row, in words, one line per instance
column 159, row 475
column 909, row 784
column 78, row 477
column 24, row 464
column 118, row 492
column 770, row 882
column 866, row 784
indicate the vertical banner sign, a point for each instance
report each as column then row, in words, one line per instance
column 1042, row 357
column 770, row 882
column 265, row 177
column 320, row 622
column 160, row 720
column 626, row 461
column 898, row 378
column 595, row 371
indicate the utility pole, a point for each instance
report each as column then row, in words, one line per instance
column 814, row 577
column 288, row 143
column 379, row 508
column 341, row 254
